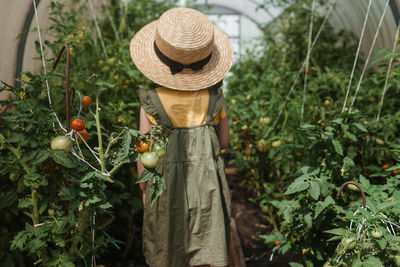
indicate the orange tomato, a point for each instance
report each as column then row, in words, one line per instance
column 142, row 146
column 277, row 242
column 86, row 100
column 385, row 166
column 395, row 172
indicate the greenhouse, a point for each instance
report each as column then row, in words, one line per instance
column 200, row 133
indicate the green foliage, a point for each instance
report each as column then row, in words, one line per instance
column 295, row 161
column 50, row 200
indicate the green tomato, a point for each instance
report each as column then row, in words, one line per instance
column 397, row 260
column 348, row 243
column 161, row 150
column 149, row 159
column 277, row 143
column 352, row 187
column 263, row 146
column 327, row 264
column 265, row 121
column 376, row 234
column 61, row 142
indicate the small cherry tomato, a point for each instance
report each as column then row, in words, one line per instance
column 142, row 146
column 86, row 100
column 84, row 135
column 149, row 159
column 395, row 172
column 277, row 243
column 385, row 166
column 78, row 125
column 61, row 142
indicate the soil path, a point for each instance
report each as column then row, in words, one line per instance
column 250, row 224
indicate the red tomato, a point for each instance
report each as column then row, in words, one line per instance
column 277, row 242
column 78, row 125
column 84, row 135
column 395, row 172
column 86, row 100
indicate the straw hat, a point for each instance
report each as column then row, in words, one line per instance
column 182, row 50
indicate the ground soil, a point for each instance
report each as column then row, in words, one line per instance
column 250, row 224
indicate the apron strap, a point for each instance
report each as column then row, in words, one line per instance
column 152, row 105
column 216, row 102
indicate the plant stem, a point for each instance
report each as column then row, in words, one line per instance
column 35, row 213
column 101, row 153
column 116, row 168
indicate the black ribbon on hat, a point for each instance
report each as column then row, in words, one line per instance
column 176, row 67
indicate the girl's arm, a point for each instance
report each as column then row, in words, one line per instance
column 223, row 131
column 144, row 127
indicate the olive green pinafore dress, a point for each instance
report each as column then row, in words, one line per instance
column 189, row 224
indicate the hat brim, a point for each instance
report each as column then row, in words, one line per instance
column 146, row 60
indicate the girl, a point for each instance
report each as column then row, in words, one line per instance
column 183, row 52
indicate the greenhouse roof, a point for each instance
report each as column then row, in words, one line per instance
column 17, row 16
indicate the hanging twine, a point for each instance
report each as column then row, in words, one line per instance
column 357, row 54
column 98, row 28
column 307, row 61
column 110, row 17
column 332, row 3
column 44, row 67
column 369, row 55
column 388, row 71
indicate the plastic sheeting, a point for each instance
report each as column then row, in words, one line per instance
column 15, row 16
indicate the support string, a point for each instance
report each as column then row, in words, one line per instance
column 98, row 28
column 357, row 54
column 307, row 61
column 44, row 67
column 369, row 55
column 303, row 64
column 388, row 72
column 112, row 22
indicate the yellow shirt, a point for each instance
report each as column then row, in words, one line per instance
column 185, row 108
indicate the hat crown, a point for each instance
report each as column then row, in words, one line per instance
column 184, row 35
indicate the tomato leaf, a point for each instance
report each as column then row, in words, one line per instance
column 314, row 190
column 360, row 127
column 308, row 220
column 64, row 158
column 295, row 264
column 157, row 188
column 297, row 186
column 28, row 156
column 338, row 147
column 41, row 156
column 146, row 176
